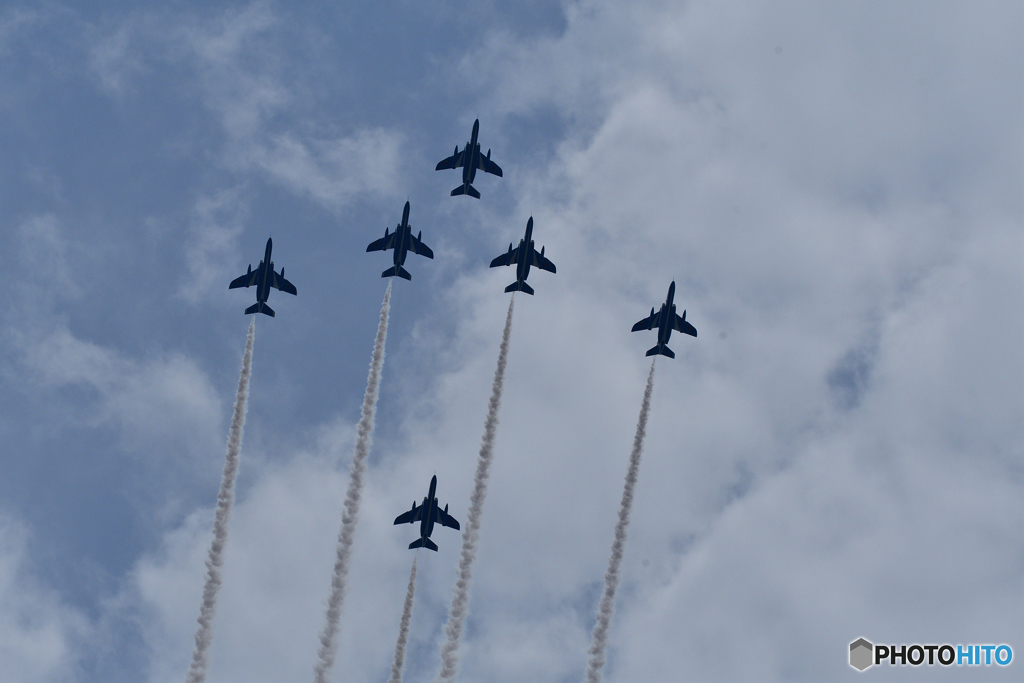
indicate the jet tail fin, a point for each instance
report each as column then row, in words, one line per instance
column 663, row 350
column 423, row 543
column 519, row 286
column 397, row 270
column 466, row 189
column 260, row 307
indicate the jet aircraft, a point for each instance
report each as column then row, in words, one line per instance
column 402, row 241
column 524, row 256
column 665, row 320
column 264, row 278
column 427, row 514
column 469, row 159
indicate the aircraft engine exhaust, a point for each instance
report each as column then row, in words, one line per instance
column 225, row 499
column 350, row 514
column 403, row 629
column 460, row 594
column 599, row 639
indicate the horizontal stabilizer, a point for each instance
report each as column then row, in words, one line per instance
column 519, row 286
column 466, row 189
column 397, row 270
column 423, row 543
column 260, row 307
column 663, row 350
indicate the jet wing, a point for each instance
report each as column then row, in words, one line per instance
column 454, row 161
column 410, row 516
column 278, row 282
column 681, row 325
column 648, row 323
column 542, row 262
column 419, row 248
column 383, row 244
column 447, row 520
column 489, row 166
column 247, row 280
column 506, row 259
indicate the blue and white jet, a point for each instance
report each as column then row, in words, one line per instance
column 665, row 320
column 469, row 160
column 524, row 256
column 264, row 278
column 402, row 241
column 427, row 514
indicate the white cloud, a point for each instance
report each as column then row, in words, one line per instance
column 43, row 253
column 165, row 396
column 794, row 196
column 39, row 635
column 215, row 227
column 116, row 58
column 241, row 82
column 332, row 172
column 239, row 76
column 840, row 444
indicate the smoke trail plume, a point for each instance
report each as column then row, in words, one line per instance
column 403, row 630
column 611, row 577
column 225, row 498
column 460, row 594
column 350, row 514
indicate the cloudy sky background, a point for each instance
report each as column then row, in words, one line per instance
column 836, row 190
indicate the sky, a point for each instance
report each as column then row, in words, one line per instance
column 835, row 189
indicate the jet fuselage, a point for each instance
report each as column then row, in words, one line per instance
column 262, row 281
column 668, row 314
column 429, row 508
column 472, row 156
column 403, row 238
column 525, row 252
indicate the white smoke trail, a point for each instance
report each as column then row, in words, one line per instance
column 403, row 629
column 460, row 594
column 611, row 577
column 350, row 514
column 225, row 498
